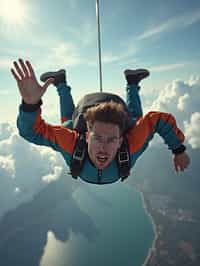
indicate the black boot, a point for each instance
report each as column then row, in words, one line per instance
column 135, row 76
column 59, row 76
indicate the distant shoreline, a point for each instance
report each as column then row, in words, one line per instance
column 152, row 249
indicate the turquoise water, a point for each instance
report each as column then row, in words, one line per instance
column 124, row 232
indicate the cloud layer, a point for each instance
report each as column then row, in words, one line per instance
column 182, row 100
column 192, row 130
column 25, row 169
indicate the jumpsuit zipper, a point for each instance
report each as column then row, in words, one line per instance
column 99, row 176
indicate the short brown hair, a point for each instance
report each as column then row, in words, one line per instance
column 107, row 112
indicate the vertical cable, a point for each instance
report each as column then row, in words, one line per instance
column 99, row 43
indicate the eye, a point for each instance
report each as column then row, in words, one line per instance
column 97, row 138
column 112, row 140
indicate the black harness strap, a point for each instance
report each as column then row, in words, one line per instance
column 78, row 156
column 123, row 160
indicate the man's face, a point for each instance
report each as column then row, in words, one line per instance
column 103, row 142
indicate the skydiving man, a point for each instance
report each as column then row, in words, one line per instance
column 103, row 158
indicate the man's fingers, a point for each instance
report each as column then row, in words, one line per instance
column 30, row 68
column 15, row 75
column 182, row 168
column 24, row 67
column 18, row 69
column 175, row 165
column 181, row 162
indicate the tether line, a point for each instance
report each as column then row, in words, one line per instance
column 99, row 44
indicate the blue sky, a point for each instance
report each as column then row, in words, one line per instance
column 162, row 36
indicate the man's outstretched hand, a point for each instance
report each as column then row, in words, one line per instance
column 181, row 161
column 29, row 88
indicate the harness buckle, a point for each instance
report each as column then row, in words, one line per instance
column 79, row 154
column 123, row 157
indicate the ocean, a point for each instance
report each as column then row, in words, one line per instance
column 116, row 229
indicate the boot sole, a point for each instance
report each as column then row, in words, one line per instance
column 52, row 74
column 141, row 72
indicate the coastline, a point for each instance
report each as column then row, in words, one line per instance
column 152, row 249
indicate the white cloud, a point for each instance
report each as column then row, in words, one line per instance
column 65, row 53
column 156, row 30
column 57, row 54
column 163, row 68
column 54, row 176
column 174, row 23
column 7, row 166
column 109, row 57
column 182, row 100
column 25, row 169
column 194, row 80
column 192, row 130
column 5, row 63
column 5, row 130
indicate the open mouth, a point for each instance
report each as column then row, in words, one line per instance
column 101, row 158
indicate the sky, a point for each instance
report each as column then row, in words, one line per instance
column 162, row 36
